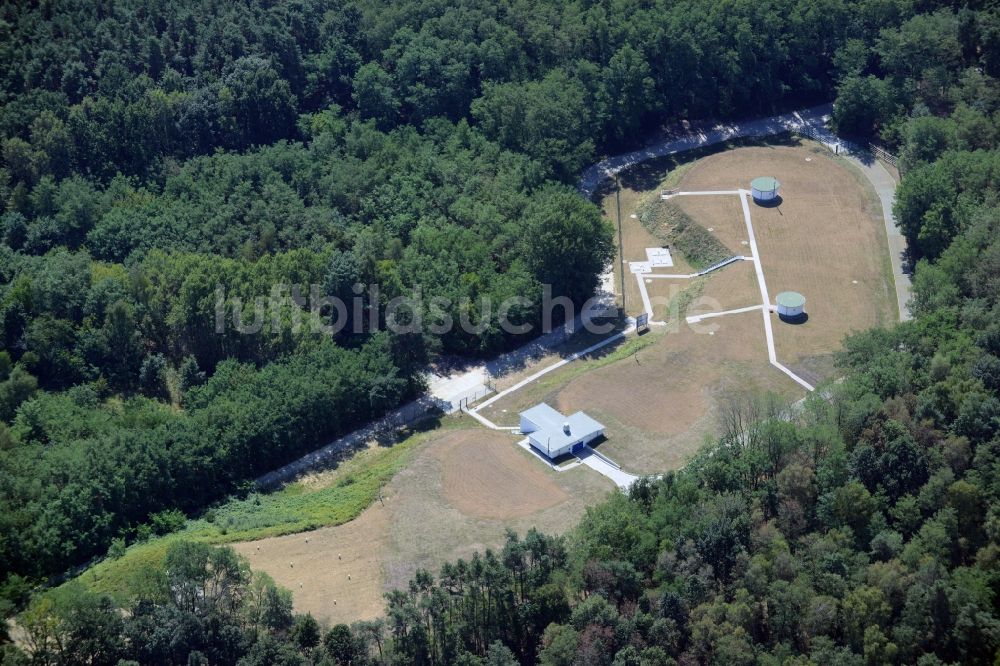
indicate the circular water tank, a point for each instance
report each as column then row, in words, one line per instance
column 764, row 188
column 790, row 304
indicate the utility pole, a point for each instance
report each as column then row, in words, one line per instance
column 621, row 247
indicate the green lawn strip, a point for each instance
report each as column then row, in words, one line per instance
column 297, row 507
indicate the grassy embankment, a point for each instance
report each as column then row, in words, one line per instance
column 326, row 498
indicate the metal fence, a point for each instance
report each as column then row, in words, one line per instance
column 884, row 155
column 849, row 146
column 465, row 402
column 719, row 264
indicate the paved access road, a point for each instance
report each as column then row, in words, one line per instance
column 885, row 186
column 700, row 135
column 599, row 464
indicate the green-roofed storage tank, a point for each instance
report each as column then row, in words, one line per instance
column 764, row 188
column 790, row 304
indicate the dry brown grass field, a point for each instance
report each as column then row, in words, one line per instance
column 483, row 476
column 461, row 492
column 635, row 240
column 826, row 240
column 315, row 566
column 660, row 403
column 722, row 216
column 729, row 288
column 667, row 296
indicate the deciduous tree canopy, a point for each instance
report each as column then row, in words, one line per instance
column 163, row 165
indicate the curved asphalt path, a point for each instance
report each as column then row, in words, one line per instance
column 885, row 187
column 813, row 121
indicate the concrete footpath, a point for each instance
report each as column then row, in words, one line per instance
column 602, row 465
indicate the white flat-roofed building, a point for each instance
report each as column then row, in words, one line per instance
column 553, row 434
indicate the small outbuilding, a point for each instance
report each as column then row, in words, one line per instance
column 553, row 434
column 791, row 304
column 765, row 188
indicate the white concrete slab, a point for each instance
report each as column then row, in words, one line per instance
column 453, row 389
column 659, row 257
column 638, row 267
column 708, row 315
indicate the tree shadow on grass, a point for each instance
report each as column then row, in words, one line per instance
column 391, row 437
column 647, row 175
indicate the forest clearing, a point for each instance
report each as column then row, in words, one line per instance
column 661, row 395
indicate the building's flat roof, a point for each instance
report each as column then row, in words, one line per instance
column 765, row 184
column 543, row 415
column 790, row 299
column 550, row 426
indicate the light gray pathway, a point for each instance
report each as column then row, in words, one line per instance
column 885, row 187
column 549, row 368
column 602, row 465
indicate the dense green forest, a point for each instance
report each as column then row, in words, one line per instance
column 154, row 151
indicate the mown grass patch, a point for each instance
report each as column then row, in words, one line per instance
column 329, row 498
